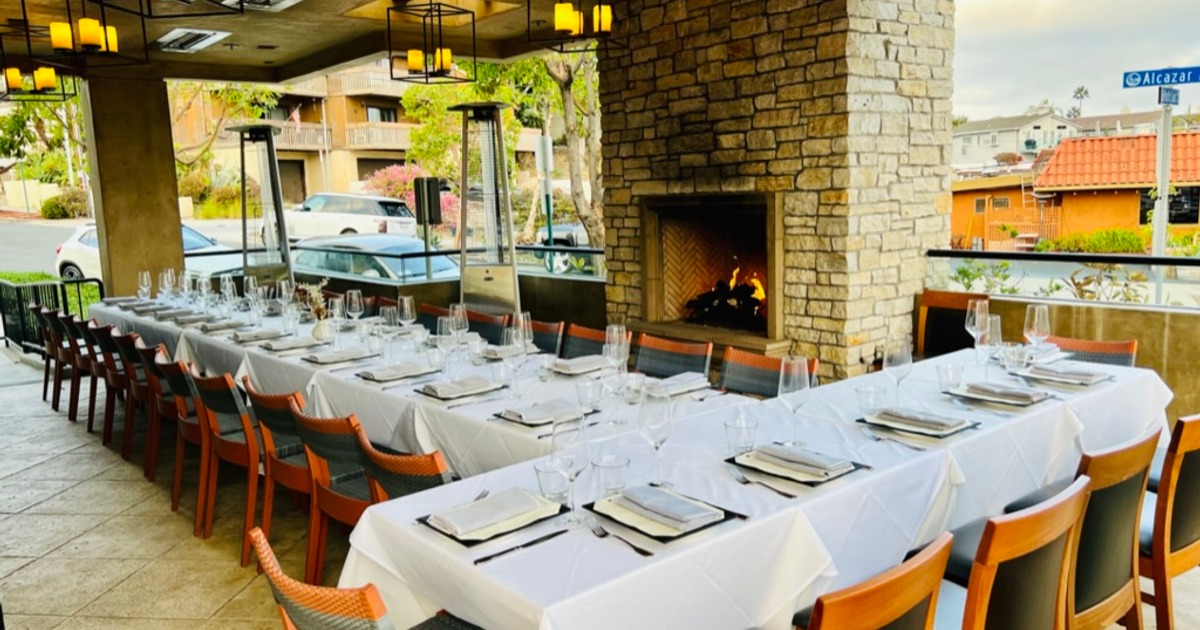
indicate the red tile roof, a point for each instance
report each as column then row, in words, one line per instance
column 1118, row 162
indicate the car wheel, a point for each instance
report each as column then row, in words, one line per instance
column 558, row 262
column 349, row 231
column 71, row 272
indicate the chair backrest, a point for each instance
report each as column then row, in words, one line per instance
column 221, row 409
column 396, row 475
column 1177, row 513
column 127, row 351
column 902, row 598
column 183, row 388
column 155, row 377
column 490, row 327
column 87, row 334
column 547, row 336
column 581, row 341
column 427, row 315
column 306, row 606
column 1108, row 538
column 1110, row 352
column 940, row 322
column 663, row 358
column 1021, row 572
column 72, row 334
column 274, row 413
column 39, row 319
column 331, row 444
column 54, row 324
column 750, row 373
column 108, row 347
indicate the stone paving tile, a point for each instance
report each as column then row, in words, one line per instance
column 8, row 565
column 175, row 589
column 31, row 622
column 118, row 623
column 95, row 497
column 146, row 536
column 68, row 466
column 61, row 586
column 36, row 535
column 16, row 496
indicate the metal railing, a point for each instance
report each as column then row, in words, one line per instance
column 378, row 135
column 304, row 137
column 21, row 327
column 368, row 81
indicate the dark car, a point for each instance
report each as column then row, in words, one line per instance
column 373, row 256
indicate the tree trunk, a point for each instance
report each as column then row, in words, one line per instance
column 530, row 230
column 563, row 75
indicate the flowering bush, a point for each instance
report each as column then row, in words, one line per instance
column 395, row 181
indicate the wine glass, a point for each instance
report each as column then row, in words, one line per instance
column 388, row 329
column 287, row 292
column 570, row 455
column 1037, row 323
column 144, row 284
column 524, row 321
column 187, row 283
column 794, row 389
column 445, row 334
column 204, row 289
column 615, row 335
column 977, row 314
column 249, row 286
column 990, row 341
column 897, row 359
column 408, row 310
column 655, row 426
column 458, row 321
column 337, row 315
column 512, row 352
column 166, row 283
column 355, row 307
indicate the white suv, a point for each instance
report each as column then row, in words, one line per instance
column 327, row 214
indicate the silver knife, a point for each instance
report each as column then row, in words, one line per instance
column 536, row 541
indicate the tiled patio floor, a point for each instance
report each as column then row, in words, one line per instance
column 87, row 542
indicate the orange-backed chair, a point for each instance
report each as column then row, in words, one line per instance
column 115, row 379
column 393, row 475
column 137, row 389
column 340, row 490
column 87, row 332
column 664, row 358
column 1022, row 569
column 162, row 403
column 284, row 460
column 1170, row 532
column 304, row 606
column 1110, row 352
column 581, row 341
column 750, row 373
column 190, row 431
column 427, row 315
column 49, row 353
column 490, row 327
column 233, row 439
column 941, row 320
column 902, row 598
column 547, row 336
column 83, row 359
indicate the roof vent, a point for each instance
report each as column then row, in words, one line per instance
column 273, row 6
column 189, row 40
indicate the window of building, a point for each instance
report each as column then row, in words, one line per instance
column 968, row 140
column 965, row 150
column 381, row 114
column 1184, row 206
column 995, row 139
column 980, row 205
column 1000, row 203
column 279, row 112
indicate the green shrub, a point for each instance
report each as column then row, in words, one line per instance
column 195, row 185
column 69, row 204
column 1116, row 241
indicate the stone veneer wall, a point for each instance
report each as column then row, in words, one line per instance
column 841, row 106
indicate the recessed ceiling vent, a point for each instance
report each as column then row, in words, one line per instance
column 189, row 40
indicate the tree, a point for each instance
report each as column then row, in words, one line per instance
column 1007, row 158
column 229, row 102
column 576, row 77
column 1044, row 106
column 1074, row 112
column 1080, row 93
column 48, row 138
column 959, row 120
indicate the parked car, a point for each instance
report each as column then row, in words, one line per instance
column 79, row 255
column 566, row 235
column 370, row 256
column 327, row 214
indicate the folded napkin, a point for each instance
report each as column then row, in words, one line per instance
column 1042, row 350
column 461, row 387
column 127, row 299
column 338, row 356
column 279, row 345
column 394, row 372
column 225, row 324
column 921, row 419
column 545, row 412
column 684, row 383
column 194, row 319
column 803, row 460
column 475, row 516
column 579, row 365
column 668, row 508
column 1066, row 371
column 243, row 336
column 499, row 352
column 173, row 313
column 467, row 338
column 150, row 308
column 129, row 306
column 1014, row 393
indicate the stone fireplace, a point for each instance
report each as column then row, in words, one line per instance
column 834, row 114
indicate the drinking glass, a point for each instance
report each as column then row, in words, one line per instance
column 408, row 310
column 976, row 321
column 614, row 385
column 635, row 382
column 187, row 284
column 588, row 392
column 897, row 359
column 739, row 434
column 389, row 327
column 655, row 426
column 287, row 291
column 794, row 388
column 870, row 399
column 610, row 471
column 569, row 454
column 1037, row 323
column 249, row 286
column 166, row 284
column 551, row 482
column 354, row 306
column 477, row 349
column 204, row 288
column 545, row 367
column 291, row 319
column 458, row 321
column 524, row 322
column 990, row 340
column 615, row 335
column 616, row 355
column 445, row 333
column 337, row 315
column 513, row 352
column 144, row 284
column 949, row 376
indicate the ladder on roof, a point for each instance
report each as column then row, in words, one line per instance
column 1028, row 201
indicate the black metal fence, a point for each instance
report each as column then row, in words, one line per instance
column 21, row 328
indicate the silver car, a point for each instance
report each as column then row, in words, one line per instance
column 371, row 256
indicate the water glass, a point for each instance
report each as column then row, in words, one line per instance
column 291, row 319
column 870, row 399
column 739, row 434
column 503, row 373
column 589, row 391
column 611, row 471
column 949, row 376
column 545, row 363
column 436, row 358
column 635, row 382
column 374, row 339
column 478, row 350
column 1015, row 356
column 551, row 482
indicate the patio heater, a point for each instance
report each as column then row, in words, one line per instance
column 263, row 227
column 488, row 263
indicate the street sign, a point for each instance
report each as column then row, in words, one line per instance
column 1168, row 96
column 1165, row 76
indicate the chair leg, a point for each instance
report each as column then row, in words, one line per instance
column 46, row 378
column 1163, row 602
column 251, row 503
column 92, row 386
column 1133, row 618
column 58, row 378
column 130, row 420
column 314, row 530
column 319, row 563
column 268, row 506
column 73, row 400
column 110, row 410
column 214, row 467
column 153, row 435
column 177, row 482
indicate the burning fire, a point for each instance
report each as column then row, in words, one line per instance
column 759, row 293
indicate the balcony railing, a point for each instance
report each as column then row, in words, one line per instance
column 307, row 87
column 387, row 136
column 303, row 137
column 368, row 81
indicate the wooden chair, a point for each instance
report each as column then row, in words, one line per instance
column 1110, row 352
column 903, row 598
column 427, row 315
column 64, row 357
column 115, row 379
column 750, row 373
column 664, row 358
column 547, row 336
column 84, row 359
column 1170, row 531
column 581, row 341
column 284, row 460
column 490, row 327
column 232, row 438
column 88, row 331
column 162, row 403
column 339, row 482
column 305, row 606
column 49, row 353
column 137, row 389
column 189, row 431
column 392, row 475
column 1020, row 576
column 940, row 322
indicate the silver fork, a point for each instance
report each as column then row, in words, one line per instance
column 887, row 438
column 745, row 481
column 600, row 532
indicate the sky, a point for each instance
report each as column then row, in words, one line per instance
column 1011, row 54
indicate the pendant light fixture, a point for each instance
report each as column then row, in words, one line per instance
column 94, row 38
column 574, row 27
column 430, row 59
column 43, row 84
